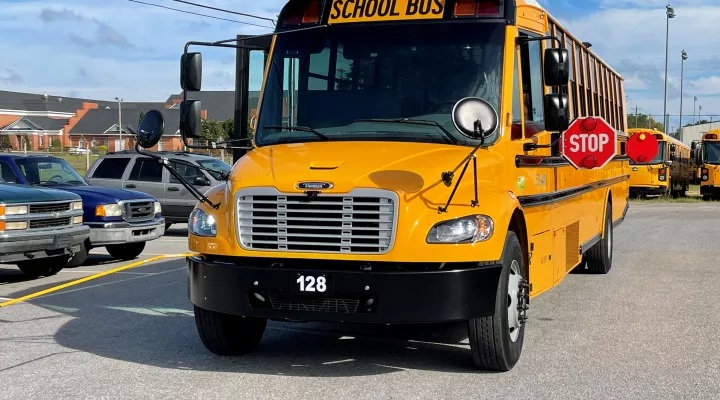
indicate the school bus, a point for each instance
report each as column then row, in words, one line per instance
column 709, row 164
column 670, row 172
column 404, row 169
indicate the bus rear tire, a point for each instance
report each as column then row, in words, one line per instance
column 229, row 335
column 598, row 258
column 496, row 341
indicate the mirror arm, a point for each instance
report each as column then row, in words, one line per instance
column 166, row 163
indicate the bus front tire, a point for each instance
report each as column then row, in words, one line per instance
column 229, row 335
column 599, row 257
column 496, row 341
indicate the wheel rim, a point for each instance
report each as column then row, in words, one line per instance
column 514, row 279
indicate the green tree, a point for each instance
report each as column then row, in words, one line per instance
column 229, row 128
column 644, row 121
column 212, row 130
column 142, row 114
column 56, row 144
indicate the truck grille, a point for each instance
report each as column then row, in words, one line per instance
column 49, row 223
column 280, row 301
column 362, row 221
column 139, row 210
column 49, row 208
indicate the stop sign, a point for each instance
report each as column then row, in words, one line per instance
column 589, row 143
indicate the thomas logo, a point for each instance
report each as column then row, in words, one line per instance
column 314, row 185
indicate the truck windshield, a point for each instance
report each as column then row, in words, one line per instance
column 711, row 152
column 48, row 171
column 335, row 80
column 658, row 159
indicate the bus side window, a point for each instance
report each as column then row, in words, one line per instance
column 533, row 88
column 517, row 110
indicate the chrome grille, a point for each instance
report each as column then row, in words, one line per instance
column 49, row 223
column 362, row 221
column 288, row 302
column 49, row 208
column 139, row 210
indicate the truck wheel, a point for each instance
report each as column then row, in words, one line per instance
column 496, row 341
column 599, row 257
column 43, row 266
column 126, row 252
column 229, row 335
column 80, row 257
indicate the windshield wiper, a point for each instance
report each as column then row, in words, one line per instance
column 298, row 128
column 413, row 122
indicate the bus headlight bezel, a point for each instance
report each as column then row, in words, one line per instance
column 470, row 229
column 202, row 224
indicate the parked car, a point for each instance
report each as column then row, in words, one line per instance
column 128, row 169
column 78, row 150
column 120, row 220
column 41, row 230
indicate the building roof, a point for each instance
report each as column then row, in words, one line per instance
column 6, row 120
column 100, row 121
column 48, row 124
column 38, row 102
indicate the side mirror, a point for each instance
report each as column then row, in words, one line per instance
column 191, row 72
column 673, row 156
column 673, row 147
column 556, row 112
column 201, row 181
column 669, row 163
column 693, row 145
column 555, row 67
column 475, row 117
column 190, row 121
column 150, row 129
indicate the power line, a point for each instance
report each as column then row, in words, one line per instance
column 202, row 15
column 224, row 10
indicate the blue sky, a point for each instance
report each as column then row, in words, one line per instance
column 108, row 48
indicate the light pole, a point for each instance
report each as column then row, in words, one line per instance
column 122, row 147
column 670, row 12
column 682, row 75
column 699, row 113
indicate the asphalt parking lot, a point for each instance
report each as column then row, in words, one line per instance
column 649, row 329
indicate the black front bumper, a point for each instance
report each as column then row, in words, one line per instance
column 648, row 191
column 391, row 296
column 707, row 190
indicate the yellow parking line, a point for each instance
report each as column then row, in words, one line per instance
column 91, row 277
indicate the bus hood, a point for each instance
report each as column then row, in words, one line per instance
column 406, row 168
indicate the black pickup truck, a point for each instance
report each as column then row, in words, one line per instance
column 40, row 229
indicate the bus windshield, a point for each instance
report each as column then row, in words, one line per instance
column 343, row 76
column 711, row 152
column 659, row 158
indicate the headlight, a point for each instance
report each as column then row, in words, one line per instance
column 108, row 210
column 77, row 220
column 472, row 229
column 158, row 208
column 13, row 210
column 202, row 224
column 14, row 226
column 77, row 206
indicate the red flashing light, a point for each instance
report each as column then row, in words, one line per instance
column 711, row 136
column 661, row 171
column 476, row 8
column 658, row 136
column 312, row 13
column 589, row 124
column 589, row 162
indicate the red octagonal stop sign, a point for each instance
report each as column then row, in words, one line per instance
column 589, row 143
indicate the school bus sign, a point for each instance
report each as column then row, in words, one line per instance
column 344, row 11
column 589, row 143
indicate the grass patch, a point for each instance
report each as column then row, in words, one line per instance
column 668, row 199
column 78, row 162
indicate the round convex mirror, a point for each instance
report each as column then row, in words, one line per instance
column 150, row 129
column 474, row 117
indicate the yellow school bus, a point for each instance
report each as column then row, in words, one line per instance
column 670, row 172
column 709, row 162
column 404, row 169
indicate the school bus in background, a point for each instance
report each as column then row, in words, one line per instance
column 351, row 211
column 670, row 172
column 709, row 164
column 694, row 155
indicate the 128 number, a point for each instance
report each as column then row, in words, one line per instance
column 312, row 284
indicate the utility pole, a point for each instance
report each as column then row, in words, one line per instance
column 636, row 116
column 682, row 74
column 694, row 107
column 670, row 12
column 122, row 147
